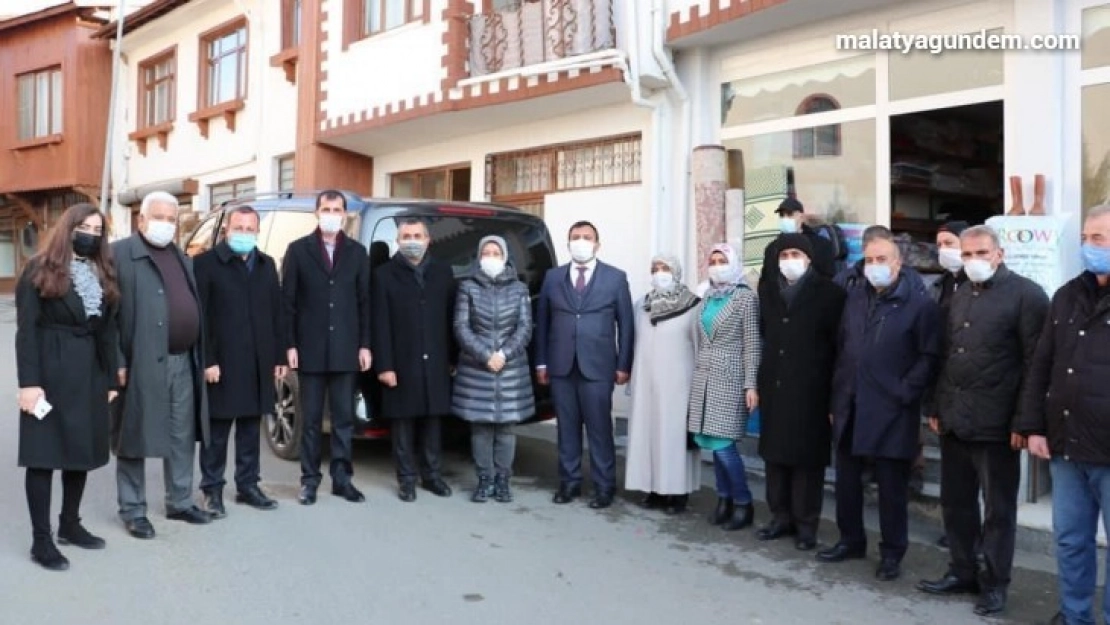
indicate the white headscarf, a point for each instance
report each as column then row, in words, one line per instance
column 735, row 275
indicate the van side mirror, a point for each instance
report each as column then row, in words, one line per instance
column 30, row 236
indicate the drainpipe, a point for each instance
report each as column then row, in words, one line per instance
column 680, row 200
column 658, row 137
column 109, row 143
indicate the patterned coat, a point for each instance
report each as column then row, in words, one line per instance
column 493, row 314
column 726, row 365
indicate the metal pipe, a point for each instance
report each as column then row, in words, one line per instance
column 109, row 144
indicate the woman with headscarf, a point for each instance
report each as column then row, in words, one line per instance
column 723, row 393
column 659, row 461
column 493, row 384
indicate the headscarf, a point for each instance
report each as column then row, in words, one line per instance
column 735, row 278
column 663, row 305
column 507, row 274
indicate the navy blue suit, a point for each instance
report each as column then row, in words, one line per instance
column 583, row 340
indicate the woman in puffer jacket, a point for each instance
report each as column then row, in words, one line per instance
column 493, row 385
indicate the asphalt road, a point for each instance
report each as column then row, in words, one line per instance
column 440, row 560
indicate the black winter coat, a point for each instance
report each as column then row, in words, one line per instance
column 1067, row 392
column 795, row 375
column 992, row 331
column 327, row 308
column 414, row 336
column 491, row 315
column 58, row 348
column 243, row 330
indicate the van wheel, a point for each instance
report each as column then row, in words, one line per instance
column 283, row 427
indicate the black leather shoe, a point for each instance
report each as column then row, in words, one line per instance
column 255, row 498
column 991, row 603
column 601, row 500
column 73, row 533
column 841, row 552
column 775, row 531
column 348, row 492
column 722, row 512
column 406, row 493
column 805, row 544
column 742, row 516
column 676, row 504
column 46, row 555
column 214, row 504
column 889, row 570
column 307, row 496
column 950, row 584
column 192, row 515
column 653, row 501
column 436, row 487
column 140, row 528
column 567, row 494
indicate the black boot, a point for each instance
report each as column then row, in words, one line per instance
column 501, row 491
column 676, row 504
column 742, row 516
column 483, row 490
column 47, row 555
column 722, row 513
column 71, row 532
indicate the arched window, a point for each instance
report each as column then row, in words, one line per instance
column 818, row 140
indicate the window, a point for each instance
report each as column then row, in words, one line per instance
column 224, row 65
column 40, row 104
column 203, row 237
column 819, row 140
column 157, row 89
column 220, row 193
column 8, row 254
column 849, row 82
column 369, row 17
column 291, row 23
column 443, row 183
column 285, row 173
column 506, row 5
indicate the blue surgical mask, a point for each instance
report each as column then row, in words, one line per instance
column 413, row 249
column 1096, row 259
column 880, row 276
column 787, row 225
column 242, row 242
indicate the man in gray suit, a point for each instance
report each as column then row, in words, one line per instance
column 162, row 409
column 584, row 338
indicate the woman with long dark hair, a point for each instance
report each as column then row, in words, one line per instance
column 65, row 346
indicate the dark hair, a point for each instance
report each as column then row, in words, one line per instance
column 877, row 232
column 245, row 209
column 330, row 194
column 50, row 266
column 584, row 224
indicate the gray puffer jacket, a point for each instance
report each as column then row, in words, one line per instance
column 492, row 314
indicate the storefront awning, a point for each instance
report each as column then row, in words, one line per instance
column 824, row 73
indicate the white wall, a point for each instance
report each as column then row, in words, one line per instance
column 265, row 128
column 401, row 64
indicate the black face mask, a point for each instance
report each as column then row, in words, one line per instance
column 86, row 245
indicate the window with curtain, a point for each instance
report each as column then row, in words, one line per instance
column 40, row 103
column 224, row 75
column 382, row 15
column 158, row 89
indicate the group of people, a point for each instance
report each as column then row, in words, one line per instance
column 845, row 366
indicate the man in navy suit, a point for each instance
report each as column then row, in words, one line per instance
column 584, row 337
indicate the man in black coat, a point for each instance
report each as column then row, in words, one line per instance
column 800, row 315
column 414, row 304
column 992, row 328
column 244, row 349
column 326, row 287
column 1064, row 413
column 792, row 221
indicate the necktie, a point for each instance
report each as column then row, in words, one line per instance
column 580, row 283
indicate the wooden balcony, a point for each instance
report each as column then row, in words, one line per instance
column 531, row 32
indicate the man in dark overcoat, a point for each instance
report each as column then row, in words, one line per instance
column 244, row 350
column 800, row 315
column 163, row 410
column 326, row 287
column 414, row 303
column 886, row 357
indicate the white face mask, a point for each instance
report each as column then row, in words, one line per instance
column 582, row 251
column 792, row 268
column 720, row 274
column 880, row 276
column 978, row 270
column 160, row 233
column 950, row 259
column 492, row 266
column 787, row 225
column 662, row 280
column 330, row 223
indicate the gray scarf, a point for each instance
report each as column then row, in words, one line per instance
column 87, row 286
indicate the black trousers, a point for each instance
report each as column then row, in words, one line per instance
column 795, row 496
column 213, row 456
column 339, row 388
column 38, row 484
column 583, row 403
column 405, row 437
column 966, row 469
column 893, row 478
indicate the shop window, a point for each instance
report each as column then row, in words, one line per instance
column 922, row 73
column 847, row 82
column 839, row 189
column 1096, row 145
column 819, row 140
column 1096, row 37
column 40, row 104
column 441, row 183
